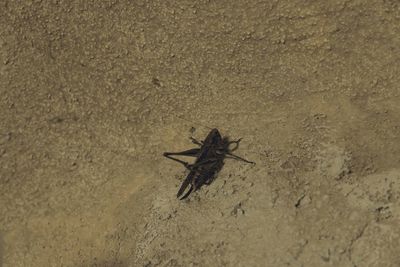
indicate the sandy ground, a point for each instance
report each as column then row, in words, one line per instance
column 93, row 92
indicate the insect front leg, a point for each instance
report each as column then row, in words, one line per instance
column 234, row 142
column 196, row 142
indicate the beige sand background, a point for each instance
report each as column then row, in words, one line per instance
column 93, row 92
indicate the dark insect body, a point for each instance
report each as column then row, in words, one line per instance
column 209, row 160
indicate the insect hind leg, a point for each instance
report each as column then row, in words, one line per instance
column 190, row 153
column 187, row 193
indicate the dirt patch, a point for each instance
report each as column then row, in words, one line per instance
column 93, row 93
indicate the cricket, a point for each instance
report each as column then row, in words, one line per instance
column 209, row 161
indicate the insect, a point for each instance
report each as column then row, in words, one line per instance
column 209, row 160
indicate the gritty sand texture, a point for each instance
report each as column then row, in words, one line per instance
column 93, row 92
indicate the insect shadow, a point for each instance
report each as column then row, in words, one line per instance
column 209, row 161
